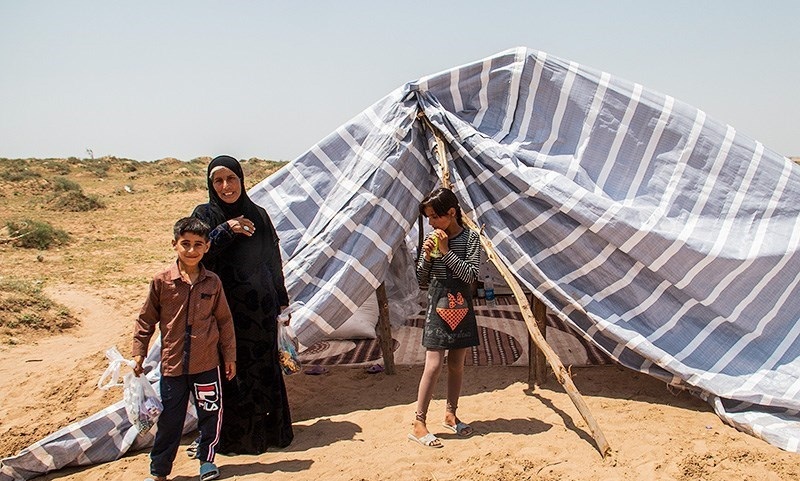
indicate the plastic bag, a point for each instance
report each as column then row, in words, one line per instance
column 110, row 377
column 141, row 402
column 287, row 350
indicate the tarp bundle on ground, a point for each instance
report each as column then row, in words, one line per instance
column 103, row 436
column 664, row 236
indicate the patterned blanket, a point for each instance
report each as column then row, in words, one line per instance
column 503, row 335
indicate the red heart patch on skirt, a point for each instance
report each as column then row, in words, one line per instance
column 455, row 310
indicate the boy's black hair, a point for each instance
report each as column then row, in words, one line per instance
column 192, row 225
column 441, row 200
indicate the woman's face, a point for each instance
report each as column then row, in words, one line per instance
column 227, row 185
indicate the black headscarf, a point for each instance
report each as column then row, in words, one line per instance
column 245, row 251
column 229, row 210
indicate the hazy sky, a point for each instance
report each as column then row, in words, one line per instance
column 151, row 79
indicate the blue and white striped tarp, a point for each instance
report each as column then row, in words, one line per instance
column 664, row 236
column 660, row 234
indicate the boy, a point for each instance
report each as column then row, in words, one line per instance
column 188, row 304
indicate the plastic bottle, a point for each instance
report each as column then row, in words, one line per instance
column 488, row 291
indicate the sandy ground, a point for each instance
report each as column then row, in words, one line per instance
column 351, row 425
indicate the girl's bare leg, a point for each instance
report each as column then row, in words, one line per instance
column 455, row 377
column 430, row 374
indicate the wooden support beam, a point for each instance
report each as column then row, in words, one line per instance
column 537, row 363
column 384, row 329
column 532, row 359
column 539, row 360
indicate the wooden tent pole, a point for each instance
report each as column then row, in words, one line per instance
column 559, row 370
column 384, row 329
column 537, row 363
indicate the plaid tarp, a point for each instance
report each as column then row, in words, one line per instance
column 664, row 236
column 660, row 234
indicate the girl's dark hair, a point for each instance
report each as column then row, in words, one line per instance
column 192, row 225
column 441, row 200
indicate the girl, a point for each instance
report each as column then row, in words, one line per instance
column 448, row 266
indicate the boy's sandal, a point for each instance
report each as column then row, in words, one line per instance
column 191, row 450
column 157, row 478
column 208, row 471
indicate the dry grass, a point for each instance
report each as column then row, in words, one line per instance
column 117, row 213
column 26, row 313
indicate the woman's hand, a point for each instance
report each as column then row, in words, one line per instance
column 284, row 316
column 242, row 225
column 230, row 370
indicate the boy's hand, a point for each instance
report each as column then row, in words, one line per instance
column 138, row 369
column 230, row 370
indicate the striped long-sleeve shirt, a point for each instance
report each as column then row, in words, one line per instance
column 462, row 260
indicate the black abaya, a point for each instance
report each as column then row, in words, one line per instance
column 256, row 409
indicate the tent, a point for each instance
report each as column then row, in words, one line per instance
column 664, row 236
column 661, row 235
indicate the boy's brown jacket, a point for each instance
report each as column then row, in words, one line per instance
column 172, row 304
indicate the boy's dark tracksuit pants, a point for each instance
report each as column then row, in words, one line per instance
column 207, row 392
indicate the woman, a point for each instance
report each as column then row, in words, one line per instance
column 245, row 255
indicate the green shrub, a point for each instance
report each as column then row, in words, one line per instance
column 21, row 175
column 185, row 185
column 129, row 167
column 97, row 167
column 31, row 319
column 62, row 184
column 35, row 234
column 23, row 307
column 76, row 201
column 58, row 167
